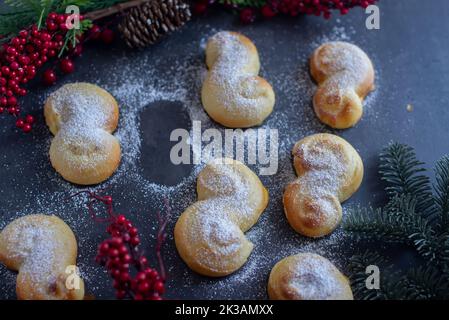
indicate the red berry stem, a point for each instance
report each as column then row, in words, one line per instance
column 271, row 8
column 121, row 251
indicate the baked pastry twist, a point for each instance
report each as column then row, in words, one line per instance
column 209, row 235
column 345, row 75
column 329, row 171
column 41, row 248
column 307, row 276
column 82, row 117
column 233, row 94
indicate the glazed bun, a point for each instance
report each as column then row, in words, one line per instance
column 40, row 248
column 329, row 171
column 82, row 117
column 345, row 75
column 307, row 276
column 209, row 235
column 233, row 94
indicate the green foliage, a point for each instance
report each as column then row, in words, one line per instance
column 414, row 216
column 20, row 14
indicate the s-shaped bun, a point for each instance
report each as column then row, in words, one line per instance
column 40, row 248
column 307, row 276
column 329, row 171
column 233, row 94
column 82, row 117
column 345, row 75
column 209, row 235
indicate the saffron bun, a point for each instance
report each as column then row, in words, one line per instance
column 307, row 276
column 209, row 235
column 345, row 76
column 82, row 117
column 233, row 94
column 329, row 172
column 40, row 248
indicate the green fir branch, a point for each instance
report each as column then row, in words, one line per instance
column 402, row 172
column 20, row 14
column 442, row 192
column 398, row 222
column 424, row 283
column 388, row 289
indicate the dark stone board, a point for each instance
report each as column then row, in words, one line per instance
column 410, row 53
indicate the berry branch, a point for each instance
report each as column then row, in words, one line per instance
column 249, row 10
column 121, row 251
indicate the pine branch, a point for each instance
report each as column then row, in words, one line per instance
column 442, row 192
column 398, row 222
column 357, row 267
column 401, row 170
column 20, row 14
column 424, row 283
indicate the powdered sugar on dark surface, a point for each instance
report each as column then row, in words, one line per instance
column 174, row 72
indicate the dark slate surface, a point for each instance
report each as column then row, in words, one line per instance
column 410, row 52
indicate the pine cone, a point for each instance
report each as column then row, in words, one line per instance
column 146, row 24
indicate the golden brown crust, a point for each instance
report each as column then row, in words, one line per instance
column 307, row 276
column 40, row 248
column 329, row 171
column 209, row 235
column 233, row 94
column 345, row 75
column 82, row 117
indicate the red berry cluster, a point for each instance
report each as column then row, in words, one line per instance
column 118, row 253
column 121, row 251
column 20, row 59
column 288, row 7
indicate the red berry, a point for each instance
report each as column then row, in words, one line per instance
column 95, row 32
column 104, row 247
column 200, row 8
column 5, row 70
column 133, row 232
column 159, row 287
column 121, row 219
column 267, row 11
column 113, row 253
column 247, row 16
column 143, row 287
column 107, row 36
column 107, row 199
column 78, row 50
column 135, row 241
column 59, row 18
column 117, row 241
column 67, row 66
column 49, row 77
column 2, row 109
column 141, row 276
column 12, row 101
column 120, row 294
column 20, row 123
column 29, row 119
column 27, row 128
column 23, row 33
column 12, row 110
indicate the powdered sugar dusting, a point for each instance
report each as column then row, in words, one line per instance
column 232, row 76
column 35, row 245
column 139, row 79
